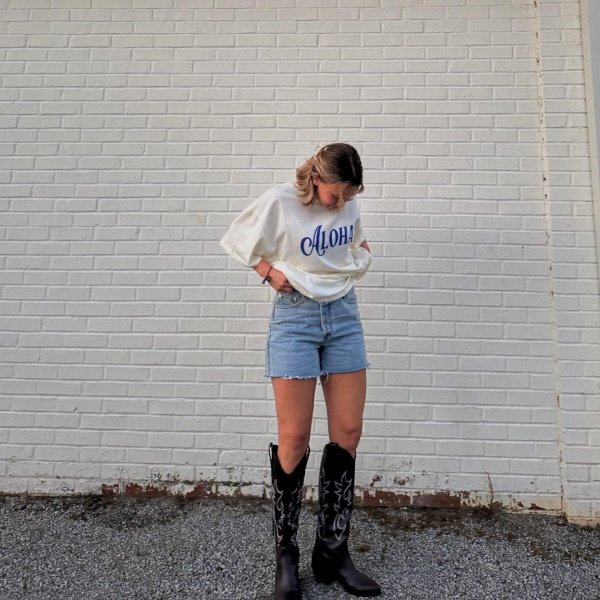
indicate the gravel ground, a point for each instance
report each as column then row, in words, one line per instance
column 142, row 549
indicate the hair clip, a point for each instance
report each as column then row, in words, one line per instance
column 319, row 151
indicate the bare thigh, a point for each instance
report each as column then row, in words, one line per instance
column 294, row 403
column 345, row 395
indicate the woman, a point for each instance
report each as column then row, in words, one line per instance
column 307, row 242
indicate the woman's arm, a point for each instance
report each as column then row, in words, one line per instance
column 365, row 245
column 262, row 268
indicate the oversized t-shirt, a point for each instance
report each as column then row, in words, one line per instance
column 316, row 248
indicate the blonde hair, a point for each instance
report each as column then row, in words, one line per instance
column 334, row 163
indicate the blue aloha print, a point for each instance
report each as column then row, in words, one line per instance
column 322, row 239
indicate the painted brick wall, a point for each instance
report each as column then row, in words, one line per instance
column 572, row 243
column 133, row 131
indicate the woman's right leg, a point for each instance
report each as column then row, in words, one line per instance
column 294, row 402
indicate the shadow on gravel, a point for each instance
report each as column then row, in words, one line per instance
column 536, row 532
column 123, row 513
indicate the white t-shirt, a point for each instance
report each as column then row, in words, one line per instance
column 316, row 248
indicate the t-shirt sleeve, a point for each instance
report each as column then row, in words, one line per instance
column 250, row 237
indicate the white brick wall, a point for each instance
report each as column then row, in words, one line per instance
column 573, row 255
column 132, row 348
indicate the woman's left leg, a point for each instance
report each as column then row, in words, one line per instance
column 345, row 398
column 345, row 395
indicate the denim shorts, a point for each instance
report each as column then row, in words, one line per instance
column 309, row 339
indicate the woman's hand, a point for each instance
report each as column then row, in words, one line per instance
column 277, row 280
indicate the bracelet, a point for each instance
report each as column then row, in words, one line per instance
column 267, row 278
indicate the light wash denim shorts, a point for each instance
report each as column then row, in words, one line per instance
column 309, row 339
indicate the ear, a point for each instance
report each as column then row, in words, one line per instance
column 315, row 179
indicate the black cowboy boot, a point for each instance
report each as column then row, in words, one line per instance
column 286, row 494
column 330, row 559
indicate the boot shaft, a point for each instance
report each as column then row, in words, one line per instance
column 286, row 495
column 336, row 495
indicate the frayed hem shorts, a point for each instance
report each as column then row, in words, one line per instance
column 309, row 339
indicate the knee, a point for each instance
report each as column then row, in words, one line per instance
column 294, row 443
column 291, row 451
column 348, row 438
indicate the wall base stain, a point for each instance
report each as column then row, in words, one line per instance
column 364, row 496
column 188, row 490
